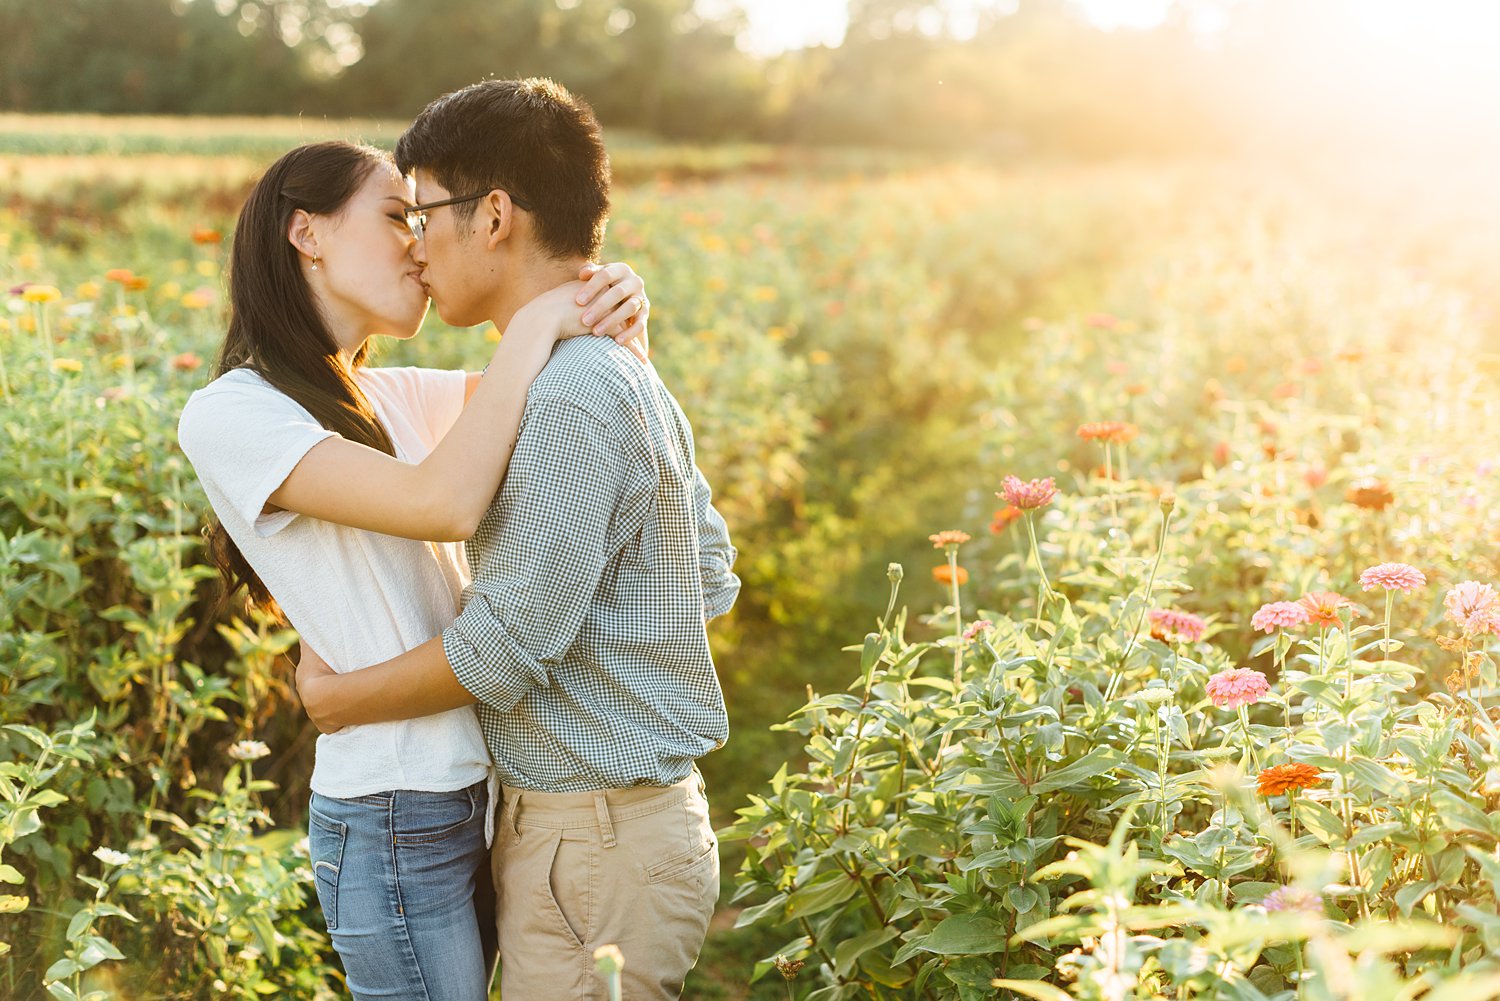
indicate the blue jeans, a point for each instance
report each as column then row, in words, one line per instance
column 403, row 879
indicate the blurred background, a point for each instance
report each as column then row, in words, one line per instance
column 896, row 250
column 1000, row 77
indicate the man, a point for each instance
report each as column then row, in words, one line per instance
column 595, row 570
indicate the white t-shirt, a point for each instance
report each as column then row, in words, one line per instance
column 357, row 597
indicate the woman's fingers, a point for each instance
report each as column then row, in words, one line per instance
column 635, row 338
column 620, row 321
column 598, row 278
column 608, row 300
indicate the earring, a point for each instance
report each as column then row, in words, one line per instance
column 316, row 259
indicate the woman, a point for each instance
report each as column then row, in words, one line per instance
column 370, row 476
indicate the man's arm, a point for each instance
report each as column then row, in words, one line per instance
column 417, row 683
column 568, row 483
column 715, row 554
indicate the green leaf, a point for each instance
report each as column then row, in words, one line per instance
column 1321, row 821
column 1458, row 814
column 1412, row 894
column 1378, row 777
column 965, row 935
column 96, row 950
column 848, row 952
column 1032, row 989
column 61, row 969
column 1096, row 762
column 750, row 915
column 1375, row 832
column 1466, row 987
column 819, row 896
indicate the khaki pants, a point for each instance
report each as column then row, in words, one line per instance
column 637, row 868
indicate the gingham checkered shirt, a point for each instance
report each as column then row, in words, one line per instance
column 595, row 570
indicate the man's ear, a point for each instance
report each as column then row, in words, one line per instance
column 300, row 235
column 498, row 217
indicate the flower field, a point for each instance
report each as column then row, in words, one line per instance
column 1158, row 502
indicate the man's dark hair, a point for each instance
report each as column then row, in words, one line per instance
column 531, row 138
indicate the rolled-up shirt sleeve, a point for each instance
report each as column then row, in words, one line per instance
column 715, row 553
column 566, row 484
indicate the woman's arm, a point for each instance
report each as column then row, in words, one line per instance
column 442, row 497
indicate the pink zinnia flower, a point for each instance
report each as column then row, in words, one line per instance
column 1237, row 687
column 1279, row 615
column 1393, row 577
column 1171, row 625
column 1293, row 898
column 1027, row 495
column 977, row 627
column 1474, row 606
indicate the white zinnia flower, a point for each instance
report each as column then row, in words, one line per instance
column 249, row 750
column 111, row 857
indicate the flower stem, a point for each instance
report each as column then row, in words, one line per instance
column 1109, row 484
column 958, row 621
column 1045, row 591
column 1163, row 750
column 1390, row 600
column 1161, row 546
column 1249, row 744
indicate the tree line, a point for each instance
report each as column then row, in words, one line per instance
column 1030, row 75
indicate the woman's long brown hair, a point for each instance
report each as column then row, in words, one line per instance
column 275, row 329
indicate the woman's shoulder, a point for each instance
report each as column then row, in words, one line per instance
column 236, row 380
column 235, row 398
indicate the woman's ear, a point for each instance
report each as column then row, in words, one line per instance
column 300, row 235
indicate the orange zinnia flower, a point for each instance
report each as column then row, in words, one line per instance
column 205, row 235
column 121, row 275
column 1323, row 607
column 1371, row 493
column 1279, row 778
column 1114, row 432
column 1005, row 517
column 942, row 575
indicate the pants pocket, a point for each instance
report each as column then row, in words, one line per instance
column 568, row 886
column 326, row 838
column 425, row 817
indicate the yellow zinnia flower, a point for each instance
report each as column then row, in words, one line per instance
column 41, row 293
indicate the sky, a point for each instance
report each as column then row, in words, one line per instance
column 778, row 25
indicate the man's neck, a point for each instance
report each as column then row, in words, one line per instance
column 530, row 283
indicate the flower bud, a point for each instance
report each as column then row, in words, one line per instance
column 894, row 573
column 608, row 959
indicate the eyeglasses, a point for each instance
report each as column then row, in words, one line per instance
column 416, row 215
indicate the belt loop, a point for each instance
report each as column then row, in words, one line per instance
column 606, row 826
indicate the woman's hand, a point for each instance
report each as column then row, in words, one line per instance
column 614, row 304
column 607, row 300
column 313, row 683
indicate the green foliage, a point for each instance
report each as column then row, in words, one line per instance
column 943, row 837
column 865, row 349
